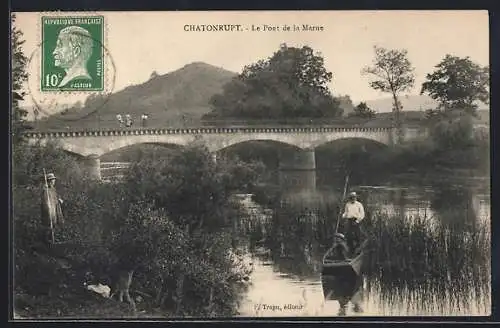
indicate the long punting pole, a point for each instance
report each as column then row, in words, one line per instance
column 49, row 205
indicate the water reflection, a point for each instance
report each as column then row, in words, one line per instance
column 344, row 289
column 431, row 254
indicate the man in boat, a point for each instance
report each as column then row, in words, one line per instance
column 51, row 211
column 340, row 250
column 354, row 213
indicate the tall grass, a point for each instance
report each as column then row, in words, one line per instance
column 312, row 210
column 418, row 259
column 424, row 258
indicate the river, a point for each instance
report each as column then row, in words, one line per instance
column 287, row 280
column 432, row 250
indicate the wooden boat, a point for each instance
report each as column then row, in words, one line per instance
column 341, row 280
column 344, row 267
column 341, row 287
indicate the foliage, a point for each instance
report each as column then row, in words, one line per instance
column 29, row 161
column 434, row 114
column 192, row 188
column 453, row 133
column 452, row 145
column 292, row 83
column 163, row 226
column 392, row 71
column 19, row 76
column 457, row 84
column 345, row 102
column 363, row 111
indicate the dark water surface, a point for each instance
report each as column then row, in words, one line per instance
column 441, row 269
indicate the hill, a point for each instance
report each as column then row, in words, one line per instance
column 409, row 102
column 169, row 100
column 411, row 116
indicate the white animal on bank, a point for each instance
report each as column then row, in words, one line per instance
column 103, row 290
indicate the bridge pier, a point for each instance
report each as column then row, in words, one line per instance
column 93, row 166
column 298, row 169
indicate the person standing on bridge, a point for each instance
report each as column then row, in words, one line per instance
column 128, row 120
column 51, row 211
column 119, row 118
column 354, row 213
column 144, row 119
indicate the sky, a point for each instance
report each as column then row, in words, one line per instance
column 142, row 42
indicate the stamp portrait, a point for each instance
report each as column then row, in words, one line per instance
column 72, row 58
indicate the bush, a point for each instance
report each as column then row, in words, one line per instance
column 452, row 144
column 170, row 221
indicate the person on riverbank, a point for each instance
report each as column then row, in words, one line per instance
column 354, row 213
column 51, row 211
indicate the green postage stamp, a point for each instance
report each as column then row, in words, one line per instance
column 72, row 53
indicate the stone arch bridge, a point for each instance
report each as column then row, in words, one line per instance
column 92, row 144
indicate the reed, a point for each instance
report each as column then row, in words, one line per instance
column 413, row 259
column 423, row 247
column 421, row 259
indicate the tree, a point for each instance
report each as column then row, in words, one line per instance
column 290, row 84
column 458, row 84
column 393, row 74
column 190, row 186
column 19, row 76
column 363, row 111
column 345, row 102
column 153, row 75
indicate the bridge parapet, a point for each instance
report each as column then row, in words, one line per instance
column 132, row 132
column 98, row 142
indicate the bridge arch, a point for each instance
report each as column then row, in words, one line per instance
column 216, row 143
column 267, row 142
column 98, row 146
column 134, row 146
column 119, row 143
column 381, row 136
column 73, row 149
column 355, row 139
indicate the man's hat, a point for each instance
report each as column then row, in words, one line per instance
column 339, row 236
column 51, row 176
column 353, row 194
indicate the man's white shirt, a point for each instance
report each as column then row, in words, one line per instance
column 354, row 210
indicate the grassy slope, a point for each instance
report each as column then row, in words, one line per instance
column 166, row 98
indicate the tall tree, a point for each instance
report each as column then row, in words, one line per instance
column 292, row 83
column 393, row 73
column 18, row 77
column 458, row 84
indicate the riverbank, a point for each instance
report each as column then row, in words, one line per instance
column 168, row 221
column 462, row 176
column 76, row 306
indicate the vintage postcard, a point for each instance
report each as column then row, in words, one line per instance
column 250, row 164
